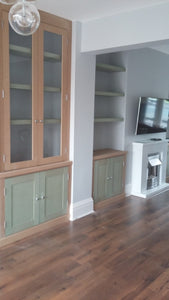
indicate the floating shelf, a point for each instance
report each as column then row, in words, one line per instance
column 106, row 120
column 109, row 68
column 24, row 51
column 29, row 87
column 109, row 94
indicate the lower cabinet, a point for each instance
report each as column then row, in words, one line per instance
column 108, row 177
column 35, row 198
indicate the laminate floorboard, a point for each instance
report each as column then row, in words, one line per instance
column 120, row 252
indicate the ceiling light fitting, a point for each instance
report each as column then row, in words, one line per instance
column 23, row 16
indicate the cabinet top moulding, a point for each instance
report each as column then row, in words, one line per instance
column 24, row 51
column 48, row 18
column 109, row 94
column 109, row 68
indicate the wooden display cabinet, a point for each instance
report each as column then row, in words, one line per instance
column 36, row 94
column 35, row 171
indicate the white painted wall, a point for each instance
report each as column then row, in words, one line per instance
column 126, row 29
column 81, row 131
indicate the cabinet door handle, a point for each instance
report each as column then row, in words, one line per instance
column 36, row 121
column 37, row 198
column 108, row 178
column 42, row 197
column 41, row 121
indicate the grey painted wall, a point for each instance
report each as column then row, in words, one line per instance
column 147, row 75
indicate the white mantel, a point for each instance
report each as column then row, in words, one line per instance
column 141, row 151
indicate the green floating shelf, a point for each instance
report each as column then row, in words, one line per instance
column 109, row 68
column 27, row 52
column 106, row 120
column 109, row 94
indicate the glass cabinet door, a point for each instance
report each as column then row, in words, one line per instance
column 36, row 83
column 18, row 98
column 52, row 118
column 52, row 94
column 20, row 69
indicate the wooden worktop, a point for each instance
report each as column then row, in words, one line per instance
column 106, row 153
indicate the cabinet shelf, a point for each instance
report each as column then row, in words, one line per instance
column 52, row 121
column 109, row 68
column 109, row 94
column 52, row 89
column 24, row 51
column 18, row 86
column 29, row 87
column 29, row 122
column 21, row 122
column 106, row 120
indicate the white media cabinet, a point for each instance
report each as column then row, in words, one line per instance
column 149, row 168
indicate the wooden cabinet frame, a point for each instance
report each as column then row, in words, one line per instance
column 37, row 164
column 55, row 25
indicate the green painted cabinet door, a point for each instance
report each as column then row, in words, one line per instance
column 53, row 193
column 117, row 175
column 108, row 178
column 35, row 198
column 100, row 175
column 21, row 207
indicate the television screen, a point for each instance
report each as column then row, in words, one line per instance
column 152, row 115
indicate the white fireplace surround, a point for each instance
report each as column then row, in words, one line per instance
column 141, row 152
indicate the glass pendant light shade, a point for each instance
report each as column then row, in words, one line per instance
column 24, row 18
column 9, row 2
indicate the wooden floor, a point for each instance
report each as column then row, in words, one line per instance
column 119, row 252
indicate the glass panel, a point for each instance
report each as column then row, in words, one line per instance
column 20, row 97
column 52, row 94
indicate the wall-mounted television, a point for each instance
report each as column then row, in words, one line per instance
column 152, row 115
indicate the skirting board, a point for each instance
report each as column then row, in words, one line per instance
column 81, row 209
column 152, row 192
column 128, row 188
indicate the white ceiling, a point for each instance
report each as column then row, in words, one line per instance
column 83, row 10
